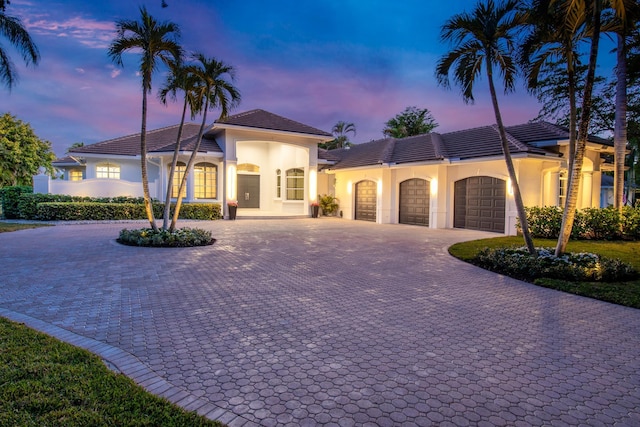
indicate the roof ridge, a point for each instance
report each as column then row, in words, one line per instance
column 510, row 138
column 438, row 145
column 387, row 151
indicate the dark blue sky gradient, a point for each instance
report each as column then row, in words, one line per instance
column 315, row 62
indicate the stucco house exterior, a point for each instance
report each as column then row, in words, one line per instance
column 273, row 167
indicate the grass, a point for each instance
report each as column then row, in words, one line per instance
column 44, row 381
column 623, row 293
column 6, row 227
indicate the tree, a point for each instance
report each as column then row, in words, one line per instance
column 213, row 88
column 11, row 28
column 412, row 121
column 340, row 131
column 75, row 145
column 486, row 36
column 158, row 44
column 178, row 79
column 22, row 153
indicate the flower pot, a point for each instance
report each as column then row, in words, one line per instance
column 314, row 211
column 232, row 212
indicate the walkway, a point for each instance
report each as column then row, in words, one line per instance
column 328, row 322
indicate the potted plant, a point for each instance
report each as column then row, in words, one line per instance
column 315, row 208
column 329, row 204
column 232, row 205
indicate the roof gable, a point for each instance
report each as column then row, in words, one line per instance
column 261, row 119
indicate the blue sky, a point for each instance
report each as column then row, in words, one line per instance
column 315, row 62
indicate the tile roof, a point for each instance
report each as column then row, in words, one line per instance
column 465, row 144
column 545, row 131
column 158, row 140
column 265, row 120
column 66, row 161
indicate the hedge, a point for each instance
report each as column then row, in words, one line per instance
column 75, row 211
column 9, row 198
column 589, row 223
column 28, row 203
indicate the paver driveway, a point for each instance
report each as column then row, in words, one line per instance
column 326, row 321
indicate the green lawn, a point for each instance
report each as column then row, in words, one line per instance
column 625, row 293
column 45, row 382
column 10, row 226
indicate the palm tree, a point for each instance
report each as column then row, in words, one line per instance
column 158, row 43
column 593, row 11
column 11, row 28
column 340, row 131
column 178, row 79
column 553, row 40
column 213, row 89
column 486, row 36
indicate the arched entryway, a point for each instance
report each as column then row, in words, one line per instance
column 479, row 204
column 366, row 201
column 414, row 202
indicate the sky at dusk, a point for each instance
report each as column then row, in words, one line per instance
column 315, row 62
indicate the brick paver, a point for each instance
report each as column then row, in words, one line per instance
column 308, row 322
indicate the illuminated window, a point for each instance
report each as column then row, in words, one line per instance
column 75, row 175
column 205, row 184
column 177, row 179
column 295, row 184
column 108, row 171
column 248, row 167
column 562, row 188
column 278, row 183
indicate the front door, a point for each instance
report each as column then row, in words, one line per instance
column 249, row 191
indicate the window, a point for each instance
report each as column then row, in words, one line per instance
column 205, row 186
column 278, row 183
column 108, row 171
column 295, row 184
column 562, row 188
column 177, row 179
column 75, row 175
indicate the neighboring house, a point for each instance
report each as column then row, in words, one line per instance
column 272, row 166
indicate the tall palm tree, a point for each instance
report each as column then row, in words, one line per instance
column 11, row 28
column 158, row 42
column 486, row 37
column 213, row 89
column 179, row 79
column 553, row 40
column 593, row 11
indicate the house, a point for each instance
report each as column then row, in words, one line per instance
column 272, row 166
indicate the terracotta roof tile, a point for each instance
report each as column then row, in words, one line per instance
column 265, row 120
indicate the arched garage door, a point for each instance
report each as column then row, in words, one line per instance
column 479, row 204
column 414, row 202
column 366, row 196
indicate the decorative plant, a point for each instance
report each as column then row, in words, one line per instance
column 328, row 204
column 314, row 203
column 232, row 203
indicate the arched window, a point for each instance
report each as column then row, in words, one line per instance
column 108, row 171
column 206, row 178
column 278, row 183
column 181, row 168
column 248, row 167
column 295, row 184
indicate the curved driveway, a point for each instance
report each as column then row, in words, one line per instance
column 328, row 322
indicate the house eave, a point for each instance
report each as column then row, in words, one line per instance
column 225, row 126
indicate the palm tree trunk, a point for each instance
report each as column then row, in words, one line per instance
column 620, row 127
column 509, row 161
column 573, row 113
column 583, row 133
column 174, row 163
column 143, row 161
column 192, row 160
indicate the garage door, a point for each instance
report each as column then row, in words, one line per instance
column 479, row 204
column 414, row 202
column 366, row 196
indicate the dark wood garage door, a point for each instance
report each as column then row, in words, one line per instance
column 366, row 195
column 479, row 204
column 414, row 202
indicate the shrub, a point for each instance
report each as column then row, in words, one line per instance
column 601, row 224
column 184, row 237
column 93, row 211
column 9, row 197
column 585, row 267
column 28, row 203
column 630, row 223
